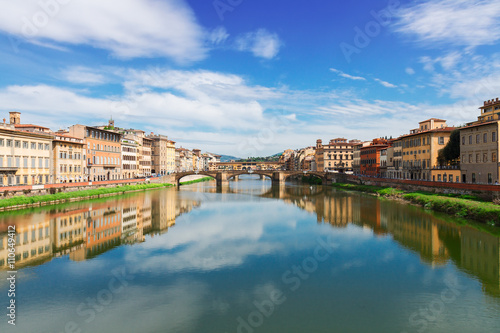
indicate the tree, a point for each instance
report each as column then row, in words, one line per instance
column 451, row 152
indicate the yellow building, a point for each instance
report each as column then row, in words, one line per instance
column 420, row 152
column 25, row 155
column 33, row 241
column 69, row 159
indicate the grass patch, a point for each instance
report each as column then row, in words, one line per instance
column 201, row 180
column 382, row 191
column 485, row 212
column 23, row 200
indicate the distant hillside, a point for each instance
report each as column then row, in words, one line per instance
column 227, row 158
column 272, row 158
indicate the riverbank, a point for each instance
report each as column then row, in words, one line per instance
column 464, row 206
column 21, row 202
column 198, row 180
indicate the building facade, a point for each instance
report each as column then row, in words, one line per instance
column 338, row 155
column 130, row 165
column 479, row 147
column 420, row 151
column 103, row 152
column 370, row 157
column 25, row 156
column 69, row 160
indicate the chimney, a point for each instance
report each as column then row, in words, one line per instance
column 15, row 118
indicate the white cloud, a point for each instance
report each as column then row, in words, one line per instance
column 218, row 36
column 409, row 71
column 261, row 43
column 83, row 75
column 455, row 22
column 347, row 76
column 386, row 84
column 126, row 28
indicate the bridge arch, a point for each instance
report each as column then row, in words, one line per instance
column 316, row 174
column 254, row 172
column 181, row 175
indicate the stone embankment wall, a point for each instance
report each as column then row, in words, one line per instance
column 28, row 190
column 484, row 191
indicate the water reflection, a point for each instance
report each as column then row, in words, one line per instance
column 86, row 230
column 436, row 238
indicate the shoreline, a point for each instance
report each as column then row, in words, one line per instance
column 22, row 202
column 198, row 180
column 461, row 206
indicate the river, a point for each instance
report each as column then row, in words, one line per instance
column 248, row 258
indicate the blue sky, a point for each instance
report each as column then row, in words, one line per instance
column 249, row 78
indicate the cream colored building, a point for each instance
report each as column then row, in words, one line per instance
column 163, row 154
column 25, row 155
column 338, row 154
column 69, row 159
column 130, row 165
column 479, row 146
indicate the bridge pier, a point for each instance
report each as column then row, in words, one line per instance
column 221, row 178
column 278, row 178
column 262, row 177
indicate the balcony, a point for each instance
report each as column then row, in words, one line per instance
column 446, row 167
column 8, row 170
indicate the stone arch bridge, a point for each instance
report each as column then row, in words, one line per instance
column 278, row 177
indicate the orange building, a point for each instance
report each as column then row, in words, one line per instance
column 103, row 152
column 103, row 229
column 370, row 157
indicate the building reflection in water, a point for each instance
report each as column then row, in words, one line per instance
column 436, row 240
column 86, row 230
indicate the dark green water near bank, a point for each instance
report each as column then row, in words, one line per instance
column 249, row 258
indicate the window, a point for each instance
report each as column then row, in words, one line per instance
column 33, row 162
column 18, row 161
column 25, row 180
column 451, row 178
column 463, row 140
column 493, row 136
column 470, row 139
column 40, row 146
column 470, row 158
column 2, row 142
column 33, row 145
column 17, row 144
column 477, row 138
column 485, row 137
column 494, row 157
column 40, row 162
column 478, row 160
column 485, row 157
column 47, row 146
column 473, row 177
column 9, row 143
column 439, row 178
column 25, row 145
column 490, row 179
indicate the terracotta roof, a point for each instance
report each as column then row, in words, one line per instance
column 444, row 129
column 29, row 125
column 481, row 124
column 435, row 119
